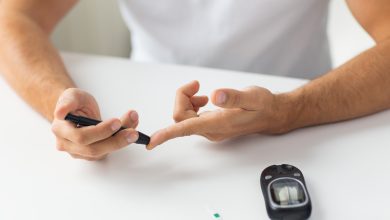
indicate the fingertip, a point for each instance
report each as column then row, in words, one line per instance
column 149, row 147
column 131, row 114
column 115, row 124
column 190, row 88
column 130, row 119
column 194, row 82
column 196, row 85
column 134, row 116
column 155, row 140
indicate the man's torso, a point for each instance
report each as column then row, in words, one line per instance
column 281, row 37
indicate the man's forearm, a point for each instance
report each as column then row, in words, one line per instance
column 359, row 87
column 30, row 63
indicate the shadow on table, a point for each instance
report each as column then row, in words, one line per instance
column 254, row 151
column 157, row 173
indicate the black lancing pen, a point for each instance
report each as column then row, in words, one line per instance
column 84, row 121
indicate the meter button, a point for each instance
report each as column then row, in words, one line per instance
column 297, row 174
column 268, row 177
column 287, row 167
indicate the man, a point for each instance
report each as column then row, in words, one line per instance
column 281, row 37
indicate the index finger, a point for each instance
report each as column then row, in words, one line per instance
column 85, row 135
column 184, row 128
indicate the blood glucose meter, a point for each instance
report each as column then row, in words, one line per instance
column 285, row 193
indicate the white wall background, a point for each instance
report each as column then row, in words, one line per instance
column 346, row 36
column 95, row 26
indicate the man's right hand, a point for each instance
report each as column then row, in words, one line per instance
column 92, row 142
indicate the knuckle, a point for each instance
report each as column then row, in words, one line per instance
column 177, row 116
column 134, row 125
column 226, row 125
column 66, row 95
column 80, row 139
column 186, row 131
column 257, row 91
column 120, row 142
column 215, row 137
column 69, row 90
column 252, row 88
column 72, row 91
column 105, row 131
column 92, row 158
column 54, row 127
column 104, row 156
column 60, row 147
column 74, row 156
column 253, row 91
column 236, row 100
column 91, row 152
column 179, row 91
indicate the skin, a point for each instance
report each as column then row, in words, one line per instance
column 359, row 87
column 27, row 58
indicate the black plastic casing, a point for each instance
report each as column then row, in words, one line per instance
column 284, row 213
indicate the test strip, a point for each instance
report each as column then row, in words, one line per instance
column 215, row 215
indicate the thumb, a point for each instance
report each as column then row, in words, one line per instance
column 249, row 99
column 63, row 107
column 66, row 103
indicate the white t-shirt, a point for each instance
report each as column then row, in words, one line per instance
column 280, row 37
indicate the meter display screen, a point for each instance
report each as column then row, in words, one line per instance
column 285, row 192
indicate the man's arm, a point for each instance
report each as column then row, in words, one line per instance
column 33, row 67
column 28, row 60
column 357, row 88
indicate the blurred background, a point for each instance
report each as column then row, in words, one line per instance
column 96, row 26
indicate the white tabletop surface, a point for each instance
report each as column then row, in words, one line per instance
column 346, row 165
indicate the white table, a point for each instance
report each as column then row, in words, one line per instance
column 346, row 165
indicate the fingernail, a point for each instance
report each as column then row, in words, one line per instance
column 221, row 98
column 132, row 137
column 134, row 116
column 115, row 126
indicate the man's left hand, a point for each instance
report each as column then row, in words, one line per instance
column 252, row 110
